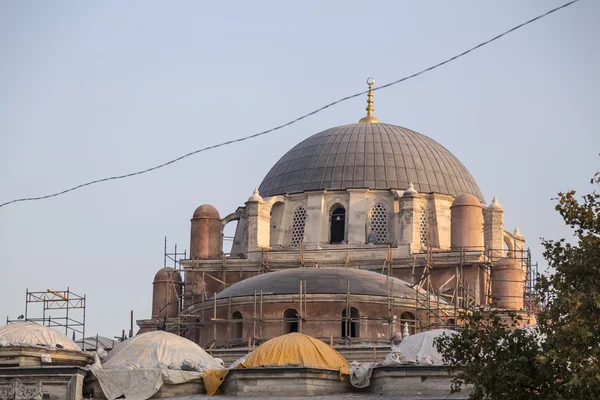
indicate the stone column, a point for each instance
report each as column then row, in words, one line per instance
column 255, row 234
column 440, row 222
column 314, row 219
column 493, row 219
column 357, row 217
column 409, row 213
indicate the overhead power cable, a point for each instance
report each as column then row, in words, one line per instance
column 464, row 53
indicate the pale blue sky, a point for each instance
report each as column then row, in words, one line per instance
column 92, row 89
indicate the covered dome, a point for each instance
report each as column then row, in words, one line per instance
column 321, row 281
column 420, row 348
column 369, row 155
column 158, row 349
column 138, row 367
column 32, row 334
column 296, row 349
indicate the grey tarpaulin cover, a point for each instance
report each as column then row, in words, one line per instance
column 419, row 348
column 138, row 367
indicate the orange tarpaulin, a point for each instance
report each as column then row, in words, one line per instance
column 213, row 378
column 298, row 350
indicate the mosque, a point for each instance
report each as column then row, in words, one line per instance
column 358, row 234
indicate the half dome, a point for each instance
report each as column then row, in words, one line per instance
column 373, row 156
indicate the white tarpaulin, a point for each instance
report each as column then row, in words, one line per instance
column 419, row 348
column 360, row 374
column 32, row 334
column 138, row 367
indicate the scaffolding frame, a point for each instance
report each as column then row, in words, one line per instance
column 63, row 302
column 430, row 312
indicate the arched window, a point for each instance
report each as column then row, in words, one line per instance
column 237, row 325
column 407, row 320
column 423, row 228
column 298, row 223
column 290, row 317
column 338, row 225
column 350, row 325
column 379, row 223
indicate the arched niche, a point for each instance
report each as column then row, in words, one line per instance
column 290, row 317
column 408, row 319
column 337, row 224
column 237, row 326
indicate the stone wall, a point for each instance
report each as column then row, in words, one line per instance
column 52, row 383
column 283, row 382
column 322, row 316
column 432, row 382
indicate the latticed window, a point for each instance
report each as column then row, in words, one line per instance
column 379, row 223
column 298, row 223
column 423, row 231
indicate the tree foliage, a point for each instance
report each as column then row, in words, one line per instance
column 560, row 358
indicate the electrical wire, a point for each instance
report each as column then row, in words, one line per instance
column 464, row 53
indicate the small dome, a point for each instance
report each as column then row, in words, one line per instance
column 420, row 347
column 167, row 273
column 296, row 349
column 32, row 334
column 153, row 349
column 466, row 200
column 255, row 196
column 206, row 211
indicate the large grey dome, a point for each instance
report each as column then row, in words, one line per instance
column 367, row 155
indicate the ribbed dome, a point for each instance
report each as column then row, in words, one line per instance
column 374, row 156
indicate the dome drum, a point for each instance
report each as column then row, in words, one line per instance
column 343, row 304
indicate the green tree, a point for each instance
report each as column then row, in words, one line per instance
column 559, row 359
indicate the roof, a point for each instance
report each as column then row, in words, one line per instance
column 156, row 349
column 420, row 348
column 296, row 349
column 320, row 281
column 374, row 156
column 95, row 342
column 466, row 200
column 32, row 334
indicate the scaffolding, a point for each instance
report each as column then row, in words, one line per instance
column 435, row 307
column 67, row 306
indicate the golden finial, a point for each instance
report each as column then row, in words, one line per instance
column 370, row 118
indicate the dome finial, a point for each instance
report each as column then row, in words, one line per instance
column 370, row 118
